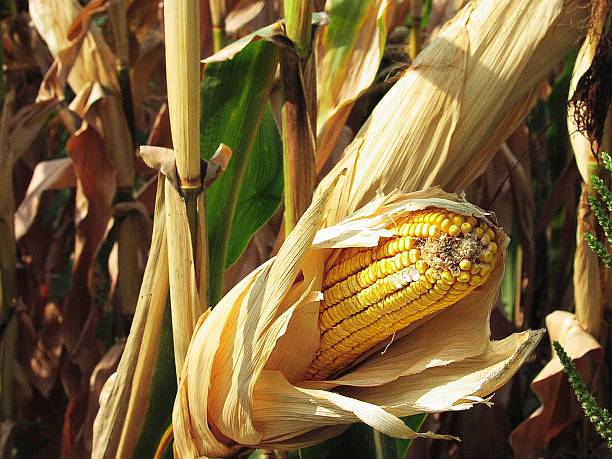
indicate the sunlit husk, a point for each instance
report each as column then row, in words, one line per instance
column 243, row 381
column 445, row 118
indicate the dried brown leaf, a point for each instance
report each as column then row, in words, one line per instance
column 559, row 405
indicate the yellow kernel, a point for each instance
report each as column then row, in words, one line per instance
column 465, row 264
column 447, row 277
column 491, row 233
column 472, row 220
column 431, row 275
column 434, row 231
column 412, row 229
column 475, row 279
column 403, row 229
column 466, row 228
column 486, row 256
column 417, row 230
column 485, row 239
column 458, row 220
column 414, row 255
column 445, row 225
column 443, row 285
column 478, row 232
column 401, row 244
column 475, row 269
column 425, row 230
column 485, row 269
column 463, row 276
column 454, row 230
column 460, row 286
column 421, row 266
column 425, row 283
column 440, row 218
column 492, row 247
column 405, row 259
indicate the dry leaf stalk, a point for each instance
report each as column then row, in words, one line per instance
column 182, row 33
column 185, row 225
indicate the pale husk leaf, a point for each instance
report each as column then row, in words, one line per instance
column 126, row 392
column 184, row 296
column 95, row 61
column 588, row 298
column 464, row 94
column 90, row 67
column 262, row 336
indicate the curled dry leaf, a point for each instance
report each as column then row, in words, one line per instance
column 461, row 98
column 48, row 175
column 243, row 13
column 253, row 377
column 559, row 405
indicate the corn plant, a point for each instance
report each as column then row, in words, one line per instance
column 266, row 243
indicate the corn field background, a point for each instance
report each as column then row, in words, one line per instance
column 85, row 85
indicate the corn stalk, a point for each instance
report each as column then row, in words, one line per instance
column 186, row 240
column 298, row 121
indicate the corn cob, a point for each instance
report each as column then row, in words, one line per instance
column 436, row 258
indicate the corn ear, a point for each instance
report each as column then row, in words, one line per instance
column 436, row 258
column 443, row 362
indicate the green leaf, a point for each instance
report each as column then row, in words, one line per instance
column 364, row 442
column 414, row 422
column 262, row 188
column 234, row 102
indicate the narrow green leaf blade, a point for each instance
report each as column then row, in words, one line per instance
column 234, row 98
column 262, row 188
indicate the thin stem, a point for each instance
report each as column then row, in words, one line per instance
column 298, row 114
column 298, row 19
column 182, row 33
column 217, row 16
column 298, row 141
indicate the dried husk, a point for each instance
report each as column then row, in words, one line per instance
column 126, row 394
column 559, row 404
column 445, row 118
column 242, row 385
column 85, row 60
column 588, row 297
